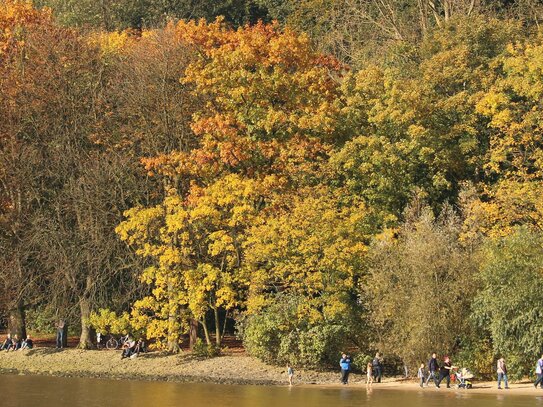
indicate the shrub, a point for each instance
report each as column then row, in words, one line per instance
column 279, row 335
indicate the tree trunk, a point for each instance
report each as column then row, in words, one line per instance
column 17, row 323
column 173, row 325
column 85, row 341
column 193, row 332
column 206, row 332
column 217, row 327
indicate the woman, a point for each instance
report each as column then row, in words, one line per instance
column 445, row 372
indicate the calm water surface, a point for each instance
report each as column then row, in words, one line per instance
column 39, row 391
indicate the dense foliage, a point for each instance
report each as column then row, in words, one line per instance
column 326, row 190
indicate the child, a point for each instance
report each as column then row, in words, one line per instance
column 420, row 374
column 369, row 373
column 290, row 372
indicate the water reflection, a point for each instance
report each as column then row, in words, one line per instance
column 27, row 391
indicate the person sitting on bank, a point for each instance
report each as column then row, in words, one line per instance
column 7, row 343
column 129, row 348
column 27, row 343
column 15, row 343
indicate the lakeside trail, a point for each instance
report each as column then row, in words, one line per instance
column 228, row 369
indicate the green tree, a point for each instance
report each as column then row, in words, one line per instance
column 419, row 287
column 508, row 304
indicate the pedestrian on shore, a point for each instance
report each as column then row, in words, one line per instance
column 433, row 368
column 290, row 373
column 502, row 373
column 369, row 373
column 345, row 364
column 60, row 333
column 445, row 372
column 377, row 367
column 539, row 372
column 420, row 374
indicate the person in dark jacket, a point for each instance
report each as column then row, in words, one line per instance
column 377, row 364
column 433, row 369
column 445, row 372
column 345, row 364
column 7, row 343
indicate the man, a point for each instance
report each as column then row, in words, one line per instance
column 433, row 368
column 60, row 334
column 502, row 373
column 345, row 364
column 377, row 365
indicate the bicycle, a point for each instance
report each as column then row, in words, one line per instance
column 112, row 343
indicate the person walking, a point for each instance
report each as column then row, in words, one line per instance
column 502, row 373
column 445, row 372
column 377, row 364
column 433, row 368
column 345, row 364
column 60, row 333
column 420, row 374
column 539, row 372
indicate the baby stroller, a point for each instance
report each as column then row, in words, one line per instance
column 464, row 376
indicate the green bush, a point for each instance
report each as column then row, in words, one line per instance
column 203, row 350
column 278, row 335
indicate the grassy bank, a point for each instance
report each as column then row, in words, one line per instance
column 228, row 369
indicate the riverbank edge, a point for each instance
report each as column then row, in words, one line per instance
column 229, row 370
column 395, row 384
column 176, row 378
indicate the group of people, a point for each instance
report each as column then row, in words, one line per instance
column 132, row 348
column 374, row 369
column 436, row 372
column 15, row 343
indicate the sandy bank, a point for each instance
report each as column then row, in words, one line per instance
column 229, row 369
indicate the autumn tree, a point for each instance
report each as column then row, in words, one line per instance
column 63, row 192
column 23, row 177
column 112, row 15
column 305, row 261
column 264, row 128
column 414, row 125
column 515, row 152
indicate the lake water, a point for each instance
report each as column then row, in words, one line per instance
column 41, row 391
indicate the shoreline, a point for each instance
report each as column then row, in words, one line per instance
column 228, row 370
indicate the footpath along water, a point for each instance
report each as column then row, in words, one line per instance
column 42, row 391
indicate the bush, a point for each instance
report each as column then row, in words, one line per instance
column 203, row 350
column 278, row 335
